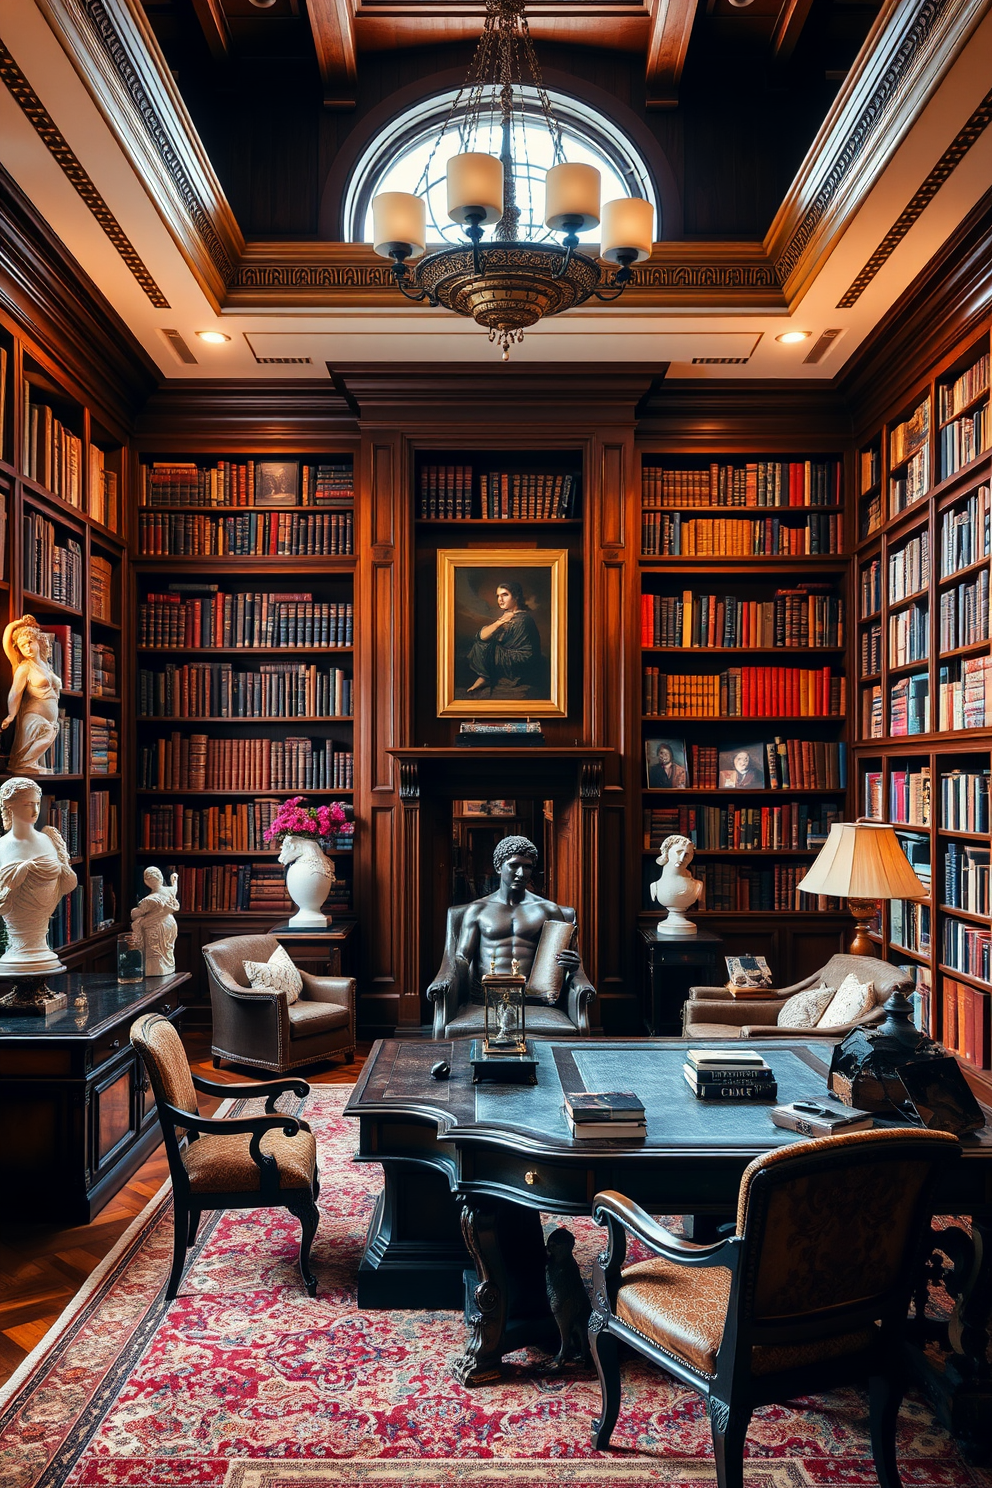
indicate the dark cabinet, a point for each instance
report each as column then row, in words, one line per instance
column 670, row 965
column 77, row 1116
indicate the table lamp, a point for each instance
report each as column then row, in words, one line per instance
column 862, row 862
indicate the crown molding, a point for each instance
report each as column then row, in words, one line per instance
column 709, row 416
column 197, row 415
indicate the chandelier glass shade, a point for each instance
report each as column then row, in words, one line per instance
column 506, row 284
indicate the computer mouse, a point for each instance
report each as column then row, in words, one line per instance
column 441, row 1070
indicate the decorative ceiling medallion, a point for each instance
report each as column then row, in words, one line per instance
column 55, row 142
column 952, row 157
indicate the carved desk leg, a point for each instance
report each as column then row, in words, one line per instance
column 509, row 1303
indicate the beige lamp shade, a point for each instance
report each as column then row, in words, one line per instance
column 862, row 860
column 572, row 197
column 399, row 224
column 628, row 226
column 475, row 184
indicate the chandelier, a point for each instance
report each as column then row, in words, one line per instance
column 507, row 285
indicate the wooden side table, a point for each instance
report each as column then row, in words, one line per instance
column 670, row 965
column 329, row 952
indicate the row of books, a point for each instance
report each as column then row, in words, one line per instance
column 802, row 617
column 791, row 764
column 966, row 877
column 103, row 670
column 909, row 705
column 964, row 613
column 757, row 483
column 537, row 496
column 195, row 762
column 871, row 468
column 909, row 925
column 103, row 823
column 66, row 817
column 246, row 483
column 244, row 887
column 53, row 455
column 968, row 948
column 968, row 385
column 909, row 795
column 966, row 693
column 789, row 826
column 909, row 568
column 744, row 692
column 252, row 533
column 871, row 588
column 243, row 619
column 907, row 489
column 104, row 494
column 65, row 756
column 772, row 887
column 101, row 588
column 104, row 746
column 909, row 635
column 967, row 1022
column 964, row 440
column 871, row 650
column 871, row 514
column 907, row 436
column 446, row 491
column 67, row 656
column 916, row 846
column 670, row 535
column 966, row 532
column 238, row 828
column 66, row 924
column 103, row 903
column 280, row 689
column 964, row 800
column 52, row 569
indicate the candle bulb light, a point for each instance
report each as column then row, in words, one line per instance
column 628, row 227
column 572, row 197
column 399, row 222
column 475, row 185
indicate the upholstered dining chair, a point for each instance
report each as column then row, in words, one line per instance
column 811, row 1293
column 240, row 1162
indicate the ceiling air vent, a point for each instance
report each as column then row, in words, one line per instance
column 284, row 361
column 820, row 348
column 719, row 361
column 179, row 346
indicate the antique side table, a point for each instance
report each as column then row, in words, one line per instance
column 329, row 952
column 670, row 965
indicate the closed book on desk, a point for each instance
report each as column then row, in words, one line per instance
column 701, row 1059
column 596, row 1106
column 729, row 1076
column 606, row 1131
column 739, row 1089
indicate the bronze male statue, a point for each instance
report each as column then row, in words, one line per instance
column 501, row 928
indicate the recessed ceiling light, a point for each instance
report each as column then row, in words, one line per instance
column 789, row 338
column 215, row 338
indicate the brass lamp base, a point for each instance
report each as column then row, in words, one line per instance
column 863, row 911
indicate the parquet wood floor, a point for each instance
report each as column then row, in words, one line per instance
column 43, row 1266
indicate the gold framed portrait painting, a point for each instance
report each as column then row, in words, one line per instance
column 501, row 615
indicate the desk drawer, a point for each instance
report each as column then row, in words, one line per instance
column 535, row 1180
column 110, row 1044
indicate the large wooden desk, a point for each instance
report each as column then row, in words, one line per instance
column 468, row 1169
column 77, row 1115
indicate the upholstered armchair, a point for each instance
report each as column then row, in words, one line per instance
column 239, row 1162
column 712, row 1013
column 456, row 1017
column 811, row 1292
column 265, row 1029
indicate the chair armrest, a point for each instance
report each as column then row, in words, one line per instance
column 339, row 990
column 580, row 998
column 271, row 1089
column 737, row 1014
column 612, row 1205
column 232, row 1126
column 709, row 994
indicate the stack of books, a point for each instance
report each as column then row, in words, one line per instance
column 605, row 1115
column 726, row 1074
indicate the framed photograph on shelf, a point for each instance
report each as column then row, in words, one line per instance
column 502, row 621
column 742, row 767
column 665, row 763
column 277, row 483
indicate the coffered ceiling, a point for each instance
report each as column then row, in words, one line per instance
column 95, row 129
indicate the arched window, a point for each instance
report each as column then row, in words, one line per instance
column 399, row 157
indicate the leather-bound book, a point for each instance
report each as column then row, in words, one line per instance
column 546, row 976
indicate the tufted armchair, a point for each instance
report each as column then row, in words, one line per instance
column 456, row 1017
column 240, row 1162
column 264, row 1029
column 810, row 1293
column 712, row 1013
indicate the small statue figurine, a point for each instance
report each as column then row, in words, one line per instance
column 33, row 700
column 676, row 890
column 567, row 1297
column 35, row 873
column 153, row 923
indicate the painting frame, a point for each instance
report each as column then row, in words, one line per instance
column 467, row 581
column 754, row 777
column 662, row 775
column 270, row 475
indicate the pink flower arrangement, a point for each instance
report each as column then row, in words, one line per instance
column 321, row 822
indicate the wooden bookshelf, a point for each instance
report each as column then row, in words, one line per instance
column 926, row 769
column 245, row 622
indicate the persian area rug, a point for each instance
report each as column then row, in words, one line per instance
column 245, row 1382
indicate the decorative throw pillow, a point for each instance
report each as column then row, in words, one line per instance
column 278, row 974
column 850, row 1002
column 803, row 1009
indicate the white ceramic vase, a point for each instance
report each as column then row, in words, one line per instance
column 309, row 876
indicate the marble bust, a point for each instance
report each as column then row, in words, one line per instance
column 33, row 700
column 676, row 890
column 35, row 873
column 153, row 923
